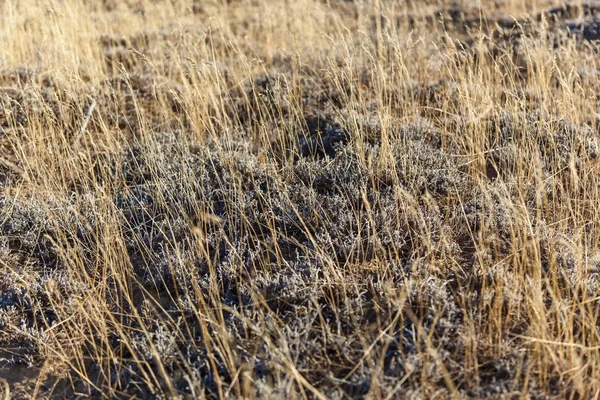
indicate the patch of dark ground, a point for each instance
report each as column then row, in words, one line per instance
column 501, row 38
column 575, row 17
column 141, row 100
column 23, row 102
column 126, row 102
column 579, row 19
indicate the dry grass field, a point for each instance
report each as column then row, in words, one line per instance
column 301, row 199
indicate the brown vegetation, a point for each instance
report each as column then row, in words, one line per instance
column 299, row 199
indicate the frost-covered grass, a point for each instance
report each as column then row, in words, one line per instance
column 308, row 199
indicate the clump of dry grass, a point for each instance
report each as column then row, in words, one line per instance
column 312, row 199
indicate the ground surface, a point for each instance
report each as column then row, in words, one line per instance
column 303, row 199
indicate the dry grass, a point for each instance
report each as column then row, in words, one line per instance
column 301, row 199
